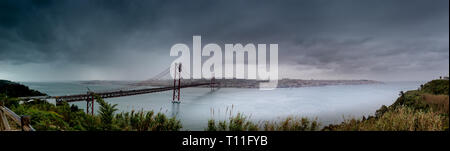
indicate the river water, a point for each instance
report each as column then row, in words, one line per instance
column 329, row 104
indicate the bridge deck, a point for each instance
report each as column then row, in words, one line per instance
column 84, row 97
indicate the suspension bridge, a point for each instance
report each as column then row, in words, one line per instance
column 90, row 96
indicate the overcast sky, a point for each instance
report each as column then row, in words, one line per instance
column 384, row 40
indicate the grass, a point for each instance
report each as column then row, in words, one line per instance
column 292, row 124
column 241, row 122
column 439, row 103
column 146, row 121
column 399, row 119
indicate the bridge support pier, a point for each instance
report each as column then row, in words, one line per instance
column 90, row 104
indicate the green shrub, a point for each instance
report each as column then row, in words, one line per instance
column 436, row 87
column 412, row 99
column 8, row 102
column 43, row 120
column 292, row 124
column 106, row 113
column 234, row 123
column 243, row 123
column 146, row 121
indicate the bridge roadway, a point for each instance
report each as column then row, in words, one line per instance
column 112, row 94
column 121, row 93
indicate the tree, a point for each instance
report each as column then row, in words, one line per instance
column 106, row 113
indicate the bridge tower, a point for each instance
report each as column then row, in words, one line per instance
column 90, row 103
column 176, row 83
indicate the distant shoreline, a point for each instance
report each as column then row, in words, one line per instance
column 239, row 83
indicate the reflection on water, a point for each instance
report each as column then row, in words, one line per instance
column 175, row 109
column 329, row 103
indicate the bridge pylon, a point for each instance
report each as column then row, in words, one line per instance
column 177, row 83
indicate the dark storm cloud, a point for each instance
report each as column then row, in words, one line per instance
column 345, row 36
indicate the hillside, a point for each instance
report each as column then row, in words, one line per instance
column 424, row 109
column 436, row 87
column 12, row 89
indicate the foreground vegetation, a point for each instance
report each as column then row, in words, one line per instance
column 399, row 119
column 46, row 116
column 242, row 123
column 424, row 109
column 65, row 117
